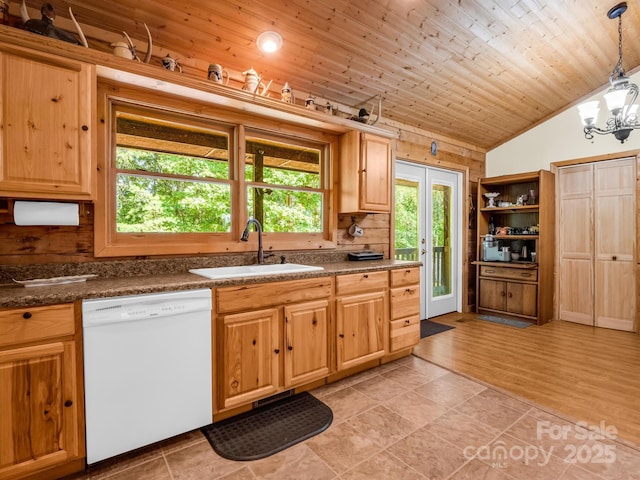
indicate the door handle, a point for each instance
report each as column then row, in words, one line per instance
column 423, row 251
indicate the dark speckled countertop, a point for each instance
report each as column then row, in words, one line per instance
column 15, row 295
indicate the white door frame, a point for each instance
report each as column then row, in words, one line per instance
column 457, row 244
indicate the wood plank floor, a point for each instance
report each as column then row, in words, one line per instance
column 585, row 373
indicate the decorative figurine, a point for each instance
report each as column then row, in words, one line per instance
column 171, row 64
column 328, row 109
column 310, row 102
column 286, row 94
column 45, row 26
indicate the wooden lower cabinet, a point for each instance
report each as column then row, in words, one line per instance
column 509, row 297
column 361, row 321
column 40, row 404
column 304, row 331
column 252, row 351
column 404, row 327
column 250, row 356
column 306, row 356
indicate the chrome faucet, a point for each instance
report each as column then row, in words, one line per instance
column 245, row 237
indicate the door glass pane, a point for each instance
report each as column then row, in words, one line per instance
column 406, row 219
column 441, row 240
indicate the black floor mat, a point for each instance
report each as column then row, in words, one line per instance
column 269, row 429
column 428, row 328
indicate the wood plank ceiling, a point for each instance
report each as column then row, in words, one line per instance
column 479, row 71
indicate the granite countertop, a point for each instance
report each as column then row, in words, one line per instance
column 15, row 295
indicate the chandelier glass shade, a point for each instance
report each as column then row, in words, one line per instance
column 620, row 98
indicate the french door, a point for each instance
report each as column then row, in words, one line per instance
column 428, row 222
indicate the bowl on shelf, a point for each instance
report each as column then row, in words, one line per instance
column 515, row 256
column 491, row 196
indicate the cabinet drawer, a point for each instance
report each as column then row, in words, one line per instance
column 529, row 275
column 405, row 276
column 19, row 325
column 361, row 282
column 404, row 333
column 405, row 301
column 260, row 295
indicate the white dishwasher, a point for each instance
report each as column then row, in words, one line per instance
column 147, row 369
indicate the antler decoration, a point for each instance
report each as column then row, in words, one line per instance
column 132, row 47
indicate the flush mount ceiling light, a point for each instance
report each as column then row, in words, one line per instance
column 620, row 98
column 269, row 41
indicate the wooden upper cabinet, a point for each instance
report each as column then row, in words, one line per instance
column 364, row 176
column 46, row 118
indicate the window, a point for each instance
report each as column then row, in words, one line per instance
column 179, row 182
column 170, row 177
column 284, row 185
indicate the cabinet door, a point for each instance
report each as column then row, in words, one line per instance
column 38, row 408
column 305, row 345
column 522, row 299
column 492, row 294
column 615, row 244
column 364, row 180
column 249, row 357
column 361, row 324
column 576, row 245
column 375, row 174
column 45, row 115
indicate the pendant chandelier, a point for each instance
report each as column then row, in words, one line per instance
column 620, row 98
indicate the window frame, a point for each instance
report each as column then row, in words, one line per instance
column 323, row 188
column 110, row 243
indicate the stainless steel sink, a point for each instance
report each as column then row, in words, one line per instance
column 218, row 273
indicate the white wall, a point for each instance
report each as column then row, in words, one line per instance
column 559, row 138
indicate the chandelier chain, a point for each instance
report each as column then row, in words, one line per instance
column 618, row 71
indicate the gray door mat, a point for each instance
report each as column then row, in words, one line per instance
column 429, row 327
column 504, row 321
column 269, row 429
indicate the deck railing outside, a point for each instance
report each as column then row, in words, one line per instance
column 439, row 265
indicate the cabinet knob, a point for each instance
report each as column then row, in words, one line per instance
column 276, row 351
column 614, row 258
column 407, row 271
column 26, row 315
column 341, row 335
column 289, row 348
column 68, row 403
column 510, row 295
column 408, row 290
column 502, row 294
column 85, row 128
column 407, row 322
column 365, row 276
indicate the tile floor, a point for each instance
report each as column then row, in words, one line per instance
column 406, row 420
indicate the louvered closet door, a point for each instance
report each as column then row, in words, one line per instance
column 575, row 275
column 615, row 207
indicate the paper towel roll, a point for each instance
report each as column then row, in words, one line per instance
column 45, row 213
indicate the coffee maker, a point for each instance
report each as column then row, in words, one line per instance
column 490, row 249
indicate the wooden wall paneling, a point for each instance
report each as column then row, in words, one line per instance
column 46, row 244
